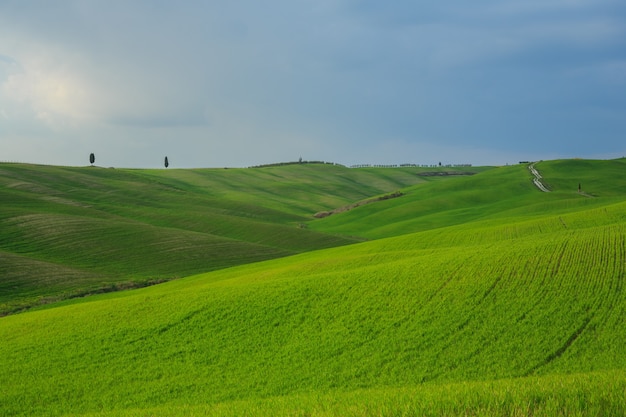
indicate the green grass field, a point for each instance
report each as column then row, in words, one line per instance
column 71, row 231
column 472, row 296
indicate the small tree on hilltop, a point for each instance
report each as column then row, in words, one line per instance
column 167, row 163
column 92, row 159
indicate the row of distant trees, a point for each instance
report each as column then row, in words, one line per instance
column 409, row 165
column 300, row 161
column 92, row 160
column 166, row 162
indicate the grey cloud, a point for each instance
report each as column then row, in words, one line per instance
column 336, row 78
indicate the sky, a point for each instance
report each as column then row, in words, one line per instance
column 240, row 83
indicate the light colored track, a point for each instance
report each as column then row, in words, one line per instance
column 537, row 179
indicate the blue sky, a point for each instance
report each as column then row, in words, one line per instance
column 239, row 83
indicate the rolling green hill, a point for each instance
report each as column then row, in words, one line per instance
column 71, row 231
column 505, row 192
column 504, row 301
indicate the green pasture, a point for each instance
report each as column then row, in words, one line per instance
column 507, row 301
column 69, row 231
column 501, row 193
column 555, row 395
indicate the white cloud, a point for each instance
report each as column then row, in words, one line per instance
column 55, row 99
column 44, row 84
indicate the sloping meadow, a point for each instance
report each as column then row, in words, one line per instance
column 504, row 316
column 67, row 232
column 504, row 194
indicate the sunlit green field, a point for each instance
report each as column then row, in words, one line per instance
column 505, row 301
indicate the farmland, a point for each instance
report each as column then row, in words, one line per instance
column 469, row 295
column 72, row 231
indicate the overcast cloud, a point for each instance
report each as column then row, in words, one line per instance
column 239, row 83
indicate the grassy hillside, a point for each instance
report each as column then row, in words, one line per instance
column 516, row 311
column 497, row 194
column 69, row 231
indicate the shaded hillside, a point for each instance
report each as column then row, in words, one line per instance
column 70, row 231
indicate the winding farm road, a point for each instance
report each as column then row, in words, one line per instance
column 537, row 179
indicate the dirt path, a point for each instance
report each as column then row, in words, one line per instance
column 323, row 214
column 537, row 179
